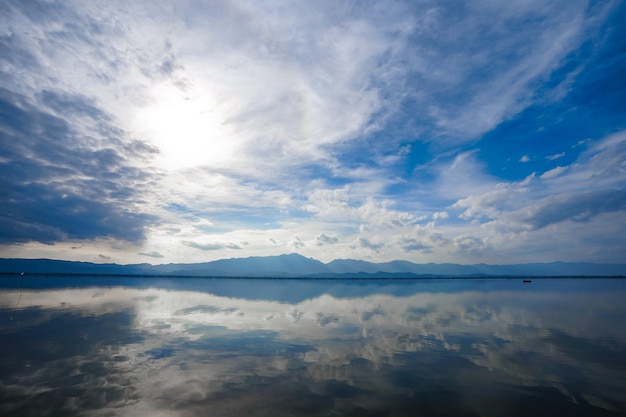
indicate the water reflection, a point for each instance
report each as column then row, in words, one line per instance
column 236, row 347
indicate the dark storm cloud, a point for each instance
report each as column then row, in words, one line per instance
column 59, row 183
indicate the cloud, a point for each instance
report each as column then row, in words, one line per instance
column 410, row 245
column 339, row 205
column 470, row 244
column 366, row 243
column 524, row 158
column 495, row 84
column 324, row 239
column 424, row 239
column 582, row 142
column 297, row 243
column 578, row 207
column 287, row 78
column 210, row 246
column 589, row 191
column 57, row 187
column 440, row 215
column 465, row 172
column 596, row 175
column 555, row 156
column 554, row 172
column 153, row 254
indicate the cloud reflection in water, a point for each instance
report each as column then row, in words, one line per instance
column 127, row 350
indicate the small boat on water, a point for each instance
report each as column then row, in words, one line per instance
column 527, row 281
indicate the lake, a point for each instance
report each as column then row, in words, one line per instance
column 123, row 346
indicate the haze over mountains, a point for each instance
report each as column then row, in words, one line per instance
column 294, row 266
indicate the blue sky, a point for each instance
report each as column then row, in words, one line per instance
column 430, row 131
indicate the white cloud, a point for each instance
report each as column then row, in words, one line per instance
column 464, row 174
column 524, row 159
column 491, row 203
column 440, row 215
column 555, row 156
column 337, row 205
column 564, row 206
column 555, row 172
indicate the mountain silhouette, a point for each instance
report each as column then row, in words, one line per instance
column 295, row 266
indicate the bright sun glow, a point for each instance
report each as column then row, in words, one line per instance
column 188, row 130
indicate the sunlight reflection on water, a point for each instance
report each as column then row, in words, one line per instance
column 287, row 347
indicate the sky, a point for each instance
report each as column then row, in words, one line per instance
column 428, row 131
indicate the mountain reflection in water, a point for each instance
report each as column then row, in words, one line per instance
column 128, row 347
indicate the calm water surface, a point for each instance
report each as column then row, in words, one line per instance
column 80, row 346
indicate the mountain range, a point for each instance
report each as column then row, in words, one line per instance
column 297, row 266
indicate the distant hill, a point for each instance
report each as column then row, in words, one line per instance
column 294, row 265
